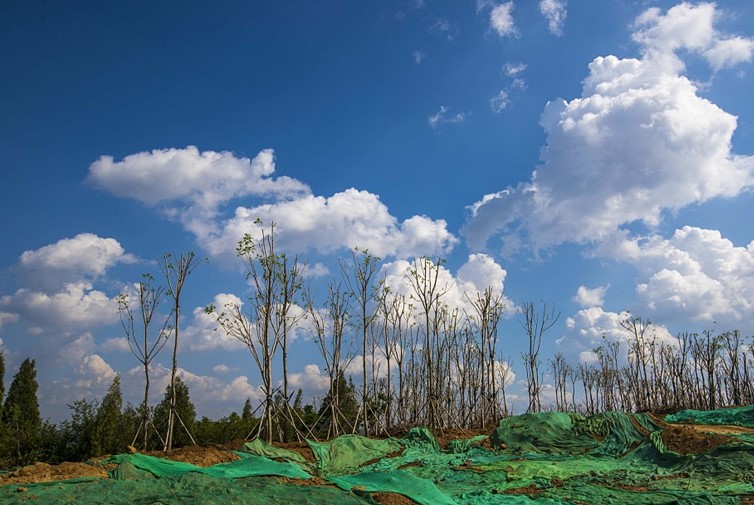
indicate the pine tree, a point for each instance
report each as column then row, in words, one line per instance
column 183, row 407
column 109, row 439
column 21, row 417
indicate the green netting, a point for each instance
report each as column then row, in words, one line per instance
column 548, row 459
column 249, row 465
column 420, row 490
column 739, row 416
column 347, row 453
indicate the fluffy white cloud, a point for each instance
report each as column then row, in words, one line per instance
column 501, row 20
column 78, row 306
column 691, row 27
column 593, row 179
column 590, row 297
column 204, row 179
column 696, row 275
column 555, row 12
column 348, row 219
column 85, row 256
column 311, row 379
column 193, row 187
column 7, row 317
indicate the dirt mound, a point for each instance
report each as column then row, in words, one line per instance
column 197, row 455
column 686, row 439
column 42, row 472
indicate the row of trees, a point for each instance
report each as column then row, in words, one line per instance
column 424, row 360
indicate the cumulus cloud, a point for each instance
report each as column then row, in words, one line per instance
column 223, row 368
column 195, row 187
column 593, row 179
column 349, row 219
column 691, row 27
column 590, row 297
column 501, row 20
column 555, row 11
column 441, row 118
column 85, row 256
column 78, row 306
column 696, row 275
column 311, row 379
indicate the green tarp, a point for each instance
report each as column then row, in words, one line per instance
column 545, row 459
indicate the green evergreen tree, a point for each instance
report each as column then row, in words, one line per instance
column 21, row 417
column 347, row 407
column 184, row 408
column 110, row 438
column 2, row 376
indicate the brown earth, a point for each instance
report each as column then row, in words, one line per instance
column 689, row 439
column 42, row 472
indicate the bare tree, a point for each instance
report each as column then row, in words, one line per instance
column 329, row 325
column 359, row 276
column 536, row 323
column 424, row 278
column 176, row 270
column 144, row 345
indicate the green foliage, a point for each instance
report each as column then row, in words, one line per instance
column 2, row 376
column 20, row 417
column 185, row 410
column 79, row 433
column 347, row 407
column 109, row 435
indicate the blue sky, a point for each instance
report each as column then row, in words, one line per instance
column 598, row 157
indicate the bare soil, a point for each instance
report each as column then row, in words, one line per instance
column 42, row 472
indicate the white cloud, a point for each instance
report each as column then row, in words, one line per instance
column 555, row 12
column 589, row 328
column 501, row 20
column 203, row 333
column 7, row 317
column 696, row 275
column 441, row 118
column 513, row 69
column 479, row 272
column 311, row 379
column 347, row 219
column 76, row 307
column 193, row 186
column 205, row 179
column 115, row 344
column 85, row 256
column 500, row 102
column 223, row 368
column 590, row 297
column 593, row 179
column 419, row 56
column 691, row 27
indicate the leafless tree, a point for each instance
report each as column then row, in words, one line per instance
column 144, row 344
column 535, row 322
column 176, row 270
